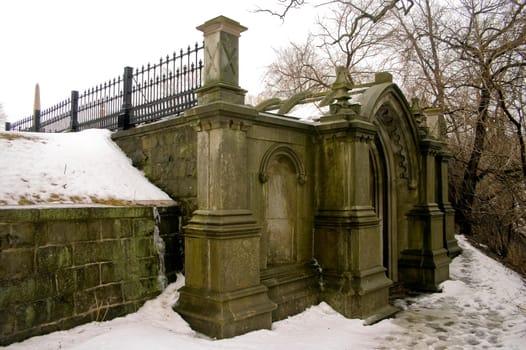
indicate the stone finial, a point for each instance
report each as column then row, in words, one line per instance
column 342, row 81
column 436, row 123
column 221, row 70
column 338, row 100
column 416, row 110
column 383, row 77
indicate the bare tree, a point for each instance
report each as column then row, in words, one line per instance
column 297, row 68
column 466, row 56
column 485, row 36
column 374, row 11
column 338, row 40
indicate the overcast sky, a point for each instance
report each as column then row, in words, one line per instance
column 69, row 45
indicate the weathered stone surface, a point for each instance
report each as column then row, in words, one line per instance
column 51, row 258
column 16, row 263
column 17, row 235
column 61, row 269
column 171, row 167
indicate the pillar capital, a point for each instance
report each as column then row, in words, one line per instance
column 222, row 24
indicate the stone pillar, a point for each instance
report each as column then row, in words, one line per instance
column 348, row 237
column 223, row 296
column 425, row 264
column 450, row 241
column 221, row 69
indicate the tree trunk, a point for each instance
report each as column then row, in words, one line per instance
column 471, row 179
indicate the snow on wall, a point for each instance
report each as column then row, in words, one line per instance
column 70, row 168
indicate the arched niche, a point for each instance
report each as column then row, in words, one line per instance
column 281, row 151
column 282, row 175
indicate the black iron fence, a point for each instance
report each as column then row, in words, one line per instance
column 141, row 95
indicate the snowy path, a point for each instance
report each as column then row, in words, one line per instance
column 483, row 306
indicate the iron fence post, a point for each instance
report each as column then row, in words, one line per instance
column 36, row 109
column 74, row 110
column 36, row 120
column 125, row 115
column 7, row 126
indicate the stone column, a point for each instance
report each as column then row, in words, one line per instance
column 348, row 237
column 451, row 243
column 425, row 264
column 223, row 296
column 221, row 69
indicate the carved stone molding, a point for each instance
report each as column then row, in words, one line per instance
column 394, row 127
column 286, row 151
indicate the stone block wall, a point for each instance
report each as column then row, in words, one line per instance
column 166, row 152
column 63, row 267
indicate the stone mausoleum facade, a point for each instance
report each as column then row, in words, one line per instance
column 290, row 212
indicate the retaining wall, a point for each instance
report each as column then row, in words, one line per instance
column 166, row 151
column 62, row 267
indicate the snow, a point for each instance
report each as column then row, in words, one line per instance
column 483, row 306
column 82, row 168
column 310, row 109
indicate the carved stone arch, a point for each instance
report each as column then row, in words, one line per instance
column 396, row 131
column 279, row 151
column 385, row 106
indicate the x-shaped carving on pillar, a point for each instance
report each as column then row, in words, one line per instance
column 231, row 55
column 211, row 57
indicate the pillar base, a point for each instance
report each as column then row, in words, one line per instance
column 220, row 92
column 453, row 250
column 424, row 270
column 362, row 294
column 228, row 314
column 450, row 242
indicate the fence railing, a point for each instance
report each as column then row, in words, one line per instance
column 141, row 95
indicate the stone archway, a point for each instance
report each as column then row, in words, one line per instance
column 414, row 221
column 395, row 180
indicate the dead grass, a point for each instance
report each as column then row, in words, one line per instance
column 75, row 199
column 56, row 198
column 110, row 201
column 10, row 136
column 25, row 201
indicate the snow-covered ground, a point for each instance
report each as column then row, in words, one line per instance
column 71, row 168
column 483, row 306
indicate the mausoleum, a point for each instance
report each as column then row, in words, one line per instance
column 331, row 197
